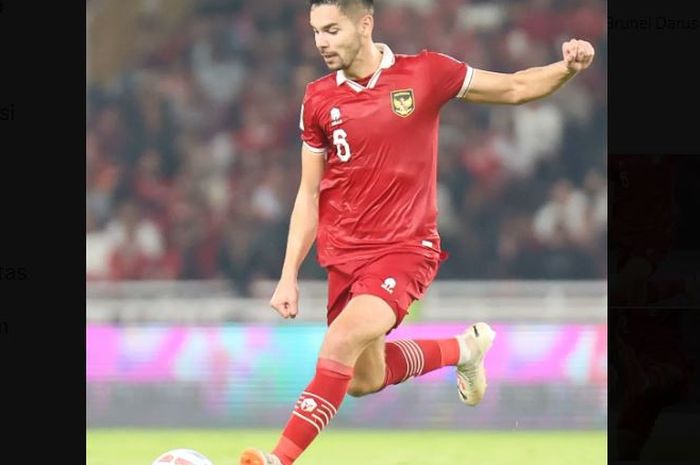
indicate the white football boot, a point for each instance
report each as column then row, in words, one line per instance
column 474, row 343
column 258, row 457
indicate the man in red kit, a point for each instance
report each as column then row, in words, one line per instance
column 368, row 197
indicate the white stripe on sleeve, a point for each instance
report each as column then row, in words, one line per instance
column 319, row 150
column 467, row 82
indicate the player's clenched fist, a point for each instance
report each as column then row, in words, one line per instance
column 578, row 54
column 285, row 298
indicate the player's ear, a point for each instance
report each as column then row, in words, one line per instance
column 366, row 25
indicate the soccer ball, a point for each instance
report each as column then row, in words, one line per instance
column 182, row 457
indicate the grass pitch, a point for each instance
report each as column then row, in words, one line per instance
column 358, row 447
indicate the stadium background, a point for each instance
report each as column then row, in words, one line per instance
column 192, row 166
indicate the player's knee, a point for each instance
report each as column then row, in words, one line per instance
column 339, row 345
column 348, row 337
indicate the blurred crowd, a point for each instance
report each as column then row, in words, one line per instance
column 193, row 150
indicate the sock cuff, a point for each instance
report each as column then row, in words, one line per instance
column 338, row 368
column 287, row 450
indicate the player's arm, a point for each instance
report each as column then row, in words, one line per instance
column 302, row 232
column 532, row 83
column 304, row 219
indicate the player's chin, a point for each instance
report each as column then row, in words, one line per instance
column 334, row 63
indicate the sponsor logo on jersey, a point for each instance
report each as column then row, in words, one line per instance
column 335, row 116
column 402, row 102
column 389, row 285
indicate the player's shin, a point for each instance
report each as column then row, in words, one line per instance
column 314, row 409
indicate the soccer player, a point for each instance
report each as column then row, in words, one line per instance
column 368, row 197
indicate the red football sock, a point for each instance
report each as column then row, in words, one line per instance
column 406, row 357
column 314, row 409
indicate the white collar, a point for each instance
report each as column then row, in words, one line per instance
column 388, row 60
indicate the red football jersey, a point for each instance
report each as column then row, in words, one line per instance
column 380, row 141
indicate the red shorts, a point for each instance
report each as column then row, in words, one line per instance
column 398, row 278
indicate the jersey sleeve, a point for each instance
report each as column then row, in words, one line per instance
column 312, row 135
column 450, row 77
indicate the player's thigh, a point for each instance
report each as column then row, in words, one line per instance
column 364, row 319
column 398, row 279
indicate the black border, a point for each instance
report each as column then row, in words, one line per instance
column 652, row 101
column 42, row 179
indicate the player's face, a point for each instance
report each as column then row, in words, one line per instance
column 338, row 37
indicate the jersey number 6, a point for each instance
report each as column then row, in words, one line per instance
column 341, row 144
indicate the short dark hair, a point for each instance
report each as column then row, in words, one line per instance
column 346, row 6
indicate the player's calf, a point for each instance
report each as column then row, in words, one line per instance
column 363, row 387
column 370, row 369
column 360, row 323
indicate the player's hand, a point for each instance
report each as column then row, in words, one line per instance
column 286, row 298
column 578, row 54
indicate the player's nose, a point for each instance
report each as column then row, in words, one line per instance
column 321, row 43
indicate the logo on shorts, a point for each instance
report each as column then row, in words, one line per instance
column 389, row 284
column 402, row 102
column 308, row 405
